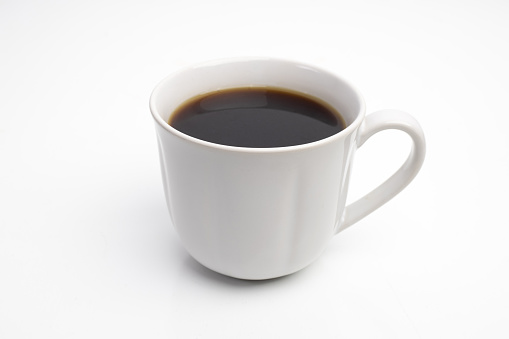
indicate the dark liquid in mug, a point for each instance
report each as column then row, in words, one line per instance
column 257, row 117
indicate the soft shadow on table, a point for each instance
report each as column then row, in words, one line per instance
column 198, row 271
column 162, row 246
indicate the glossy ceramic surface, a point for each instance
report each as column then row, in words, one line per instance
column 259, row 213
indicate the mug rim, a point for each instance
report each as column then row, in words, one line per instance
column 346, row 131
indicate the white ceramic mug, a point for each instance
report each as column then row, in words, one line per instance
column 259, row 213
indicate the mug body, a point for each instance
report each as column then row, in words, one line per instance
column 255, row 213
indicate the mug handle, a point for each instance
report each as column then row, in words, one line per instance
column 374, row 123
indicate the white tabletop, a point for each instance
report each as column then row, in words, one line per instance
column 87, row 249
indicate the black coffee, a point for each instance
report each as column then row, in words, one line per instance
column 256, row 117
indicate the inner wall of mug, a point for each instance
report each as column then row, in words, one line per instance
column 212, row 76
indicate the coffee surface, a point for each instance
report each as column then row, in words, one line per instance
column 258, row 117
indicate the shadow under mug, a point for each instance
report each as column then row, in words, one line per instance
column 260, row 213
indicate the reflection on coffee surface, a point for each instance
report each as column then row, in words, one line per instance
column 257, row 117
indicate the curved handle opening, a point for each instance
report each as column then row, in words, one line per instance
column 374, row 123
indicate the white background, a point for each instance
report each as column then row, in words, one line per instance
column 86, row 245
